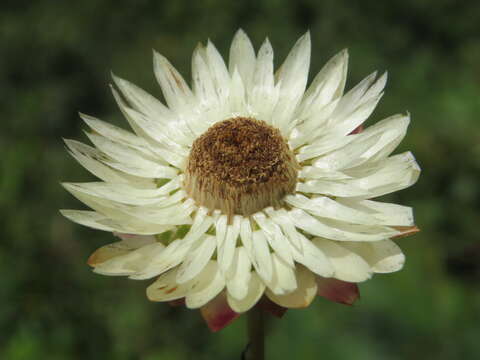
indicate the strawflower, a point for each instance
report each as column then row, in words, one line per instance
column 248, row 188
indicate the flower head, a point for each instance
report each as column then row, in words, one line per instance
column 248, row 186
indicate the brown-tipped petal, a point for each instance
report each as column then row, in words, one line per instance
column 405, row 231
column 269, row 306
column 337, row 290
column 106, row 252
column 177, row 302
column 129, row 242
column 217, row 313
column 357, row 130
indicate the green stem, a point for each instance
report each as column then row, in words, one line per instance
column 256, row 334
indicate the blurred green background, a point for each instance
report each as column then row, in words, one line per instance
column 55, row 59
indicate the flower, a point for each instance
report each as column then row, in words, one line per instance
column 248, row 186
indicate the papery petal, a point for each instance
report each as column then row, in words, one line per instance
column 292, row 79
column 348, row 265
column 256, row 289
column 242, row 57
column 337, row 290
column 217, row 313
column 238, row 276
column 211, row 282
column 128, row 263
column 303, row 296
column 383, row 256
column 175, row 90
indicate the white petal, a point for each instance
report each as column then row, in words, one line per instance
column 348, row 155
column 357, row 106
column 203, row 84
column 196, row 259
column 218, row 69
column 130, row 263
column 395, row 173
column 353, row 98
column 246, row 235
column 348, row 265
column 169, row 258
column 239, row 274
column 87, row 218
column 260, row 256
column 139, row 151
column 313, row 258
column 339, row 231
column 312, row 172
column 303, row 296
column 89, row 157
column 176, row 251
column 323, row 206
column 327, row 85
column 226, row 251
column 175, row 130
column 211, row 282
column 131, row 161
column 255, row 291
column 237, row 99
column 176, row 214
column 281, row 218
column 165, row 288
column 383, row 256
column 128, row 244
column 283, row 279
column 321, row 146
column 376, row 88
column 200, row 226
column 393, row 130
column 127, row 194
column 174, row 88
column 385, row 213
column 342, row 188
column 135, row 219
column 242, row 57
column 264, row 94
column 221, row 229
column 275, row 238
column 303, row 251
column 140, row 100
column 313, row 126
column 166, row 141
column 114, row 133
column 292, row 78
column 169, row 130
column 353, row 120
column 374, row 143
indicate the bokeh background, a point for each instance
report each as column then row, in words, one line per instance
column 55, row 59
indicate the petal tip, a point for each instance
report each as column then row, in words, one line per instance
column 405, row 231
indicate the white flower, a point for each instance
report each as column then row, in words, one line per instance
column 248, row 183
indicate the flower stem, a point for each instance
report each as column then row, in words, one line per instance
column 256, row 334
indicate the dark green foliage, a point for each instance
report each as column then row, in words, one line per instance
column 55, row 59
